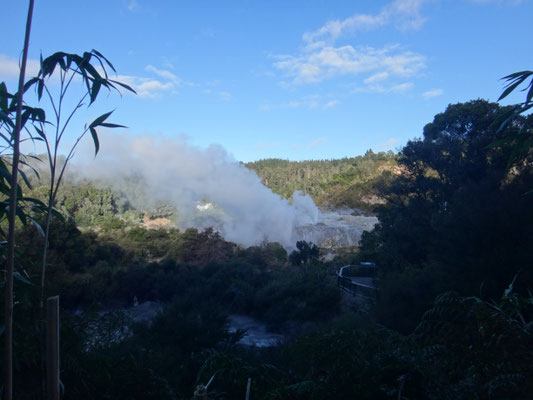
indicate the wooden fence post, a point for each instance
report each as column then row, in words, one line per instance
column 248, row 387
column 52, row 348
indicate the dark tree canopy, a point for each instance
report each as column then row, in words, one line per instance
column 455, row 217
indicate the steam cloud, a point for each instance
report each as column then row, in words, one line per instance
column 208, row 187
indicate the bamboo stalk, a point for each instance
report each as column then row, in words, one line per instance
column 8, row 353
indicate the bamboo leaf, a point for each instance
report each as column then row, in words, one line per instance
column 58, row 215
column 95, row 89
column 109, row 125
column 106, row 60
column 98, row 121
column 3, row 96
column 95, row 140
column 30, row 83
column 530, row 92
column 40, row 132
column 18, row 276
column 127, row 87
column 37, row 225
column 25, row 178
column 21, row 214
column 5, row 118
column 40, row 88
column 509, row 89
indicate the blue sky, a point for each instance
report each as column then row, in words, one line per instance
column 309, row 79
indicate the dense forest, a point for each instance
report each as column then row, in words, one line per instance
column 351, row 182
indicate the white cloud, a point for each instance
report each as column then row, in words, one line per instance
column 320, row 59
column 432, row 93
column 507, row 2
column 379, row 77
column 385, row 88
column 329, row 62
column 146, row 87
column 331, row 104
column 404, row 14
column 402, row 87
column 9, row 67
column 317, row 142
column 165, row 74
column 225, row 96
column 388, row 144
column 152, row 86
column 133, row 5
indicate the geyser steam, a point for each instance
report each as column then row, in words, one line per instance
column 174, row 171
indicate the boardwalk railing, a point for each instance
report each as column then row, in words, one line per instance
column 359, row 286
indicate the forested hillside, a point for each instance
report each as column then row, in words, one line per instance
column 351, row 182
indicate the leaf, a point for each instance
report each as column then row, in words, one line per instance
column 25, row 116
column 4, row 117
column 98, row 121
column 31, row 167
column 38, row 226
column 21, row 214
column 40, row 132
column 4, row 171
column 95, row 89
column 95, row 139
column 92, row 71
column 36, row 202
column 30, row 83
column 530, row 93
column 25, row 178
column 109, row 125
column 58, row 215
column 127, row 87
column 5, row 138
column 509, row 89
column 40, row 88
column 514, row 80
column 106, row 60
column 17, row 275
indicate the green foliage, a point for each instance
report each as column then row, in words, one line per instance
column 478, row 349
column 344, row 182
column 455, row 217
column 307, row 294
column 522, row 141
column 306, row 253
column 351, row 359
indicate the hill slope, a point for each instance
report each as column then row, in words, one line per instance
column 347, row 182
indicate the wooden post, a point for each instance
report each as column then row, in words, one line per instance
column 52, row 348
column 248, row 387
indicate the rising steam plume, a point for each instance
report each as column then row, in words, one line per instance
column 208, row 187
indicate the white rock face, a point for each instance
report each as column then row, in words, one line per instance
column 336, row 228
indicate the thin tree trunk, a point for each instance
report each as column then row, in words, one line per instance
column 8, row 353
